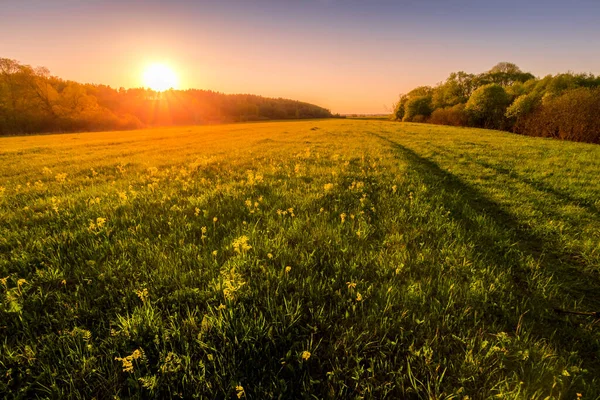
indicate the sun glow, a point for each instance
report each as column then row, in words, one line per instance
column 160, row 77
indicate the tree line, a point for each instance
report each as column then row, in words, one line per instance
column 564, row 106
column 34, row 101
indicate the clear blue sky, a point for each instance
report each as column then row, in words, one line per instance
column 350, row 56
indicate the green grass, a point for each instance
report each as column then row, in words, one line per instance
column 325, row 259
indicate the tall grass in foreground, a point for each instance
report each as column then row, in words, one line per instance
column 336, row 259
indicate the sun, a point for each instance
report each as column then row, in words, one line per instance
column 160, row 77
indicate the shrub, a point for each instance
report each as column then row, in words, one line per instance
column 487, row 105
column 575, row 115
column 454, row 116
column 415, row 106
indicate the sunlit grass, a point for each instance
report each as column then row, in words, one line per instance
column 343, row 259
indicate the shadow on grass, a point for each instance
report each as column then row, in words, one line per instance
column 540, row 186
column 466, row 204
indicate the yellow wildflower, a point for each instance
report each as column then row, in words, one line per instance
column 61, row 178
column 288, row 269
column 328, row 186
column 343, row 217
column 358, row 296
column 270, row 256
column 305, row 355
column 351, row 285
column 239, row 391
column 240, row 245
column 196, row 211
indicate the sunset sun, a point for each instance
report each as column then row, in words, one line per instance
column 160, row 77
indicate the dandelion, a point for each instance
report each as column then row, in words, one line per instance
column 196, row 211
column 214, row 253
column 100, row 222
column 239, row 391
column 288, row 269
column 343, row 217
column 328, row 186
column 215, row 219
column 270, row 256
column 305, row 355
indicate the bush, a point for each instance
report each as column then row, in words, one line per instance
column 575, row 115
column 454, row 116
column 420, row 105
column 487, row 105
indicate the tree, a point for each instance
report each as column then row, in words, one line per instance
column 487, row 105
column 417, row 106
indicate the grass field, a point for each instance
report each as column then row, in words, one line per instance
column 325, row 259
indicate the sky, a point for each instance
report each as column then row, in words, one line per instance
column 349, row 56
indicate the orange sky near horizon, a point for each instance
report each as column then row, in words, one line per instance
column 346, row 56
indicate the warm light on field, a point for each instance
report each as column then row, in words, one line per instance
column 160, row 77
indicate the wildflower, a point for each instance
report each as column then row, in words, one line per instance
column 328, row 186
column 63, row 282
column 61, row 178
column 196, row 211
column 305, row 355
column 203, row 230
column 358, row 233
column 46, row 171
column 351, row 285
column 343, row 217
column 321, row 210
column 100, row 222
column 358, row 296
column 240, row 245
column 288, row 269
column 215, row 219
column 270, row 256
column 21, row 282
column 221, row 307
column 239, row 391
column 3, row 280
column 123, row 196
column 394, row 188
column 127, row 361
column 142, row 294
column 214, row 253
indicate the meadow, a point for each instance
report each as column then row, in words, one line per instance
column 312, row 259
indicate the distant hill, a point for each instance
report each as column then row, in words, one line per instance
column 33, row 101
